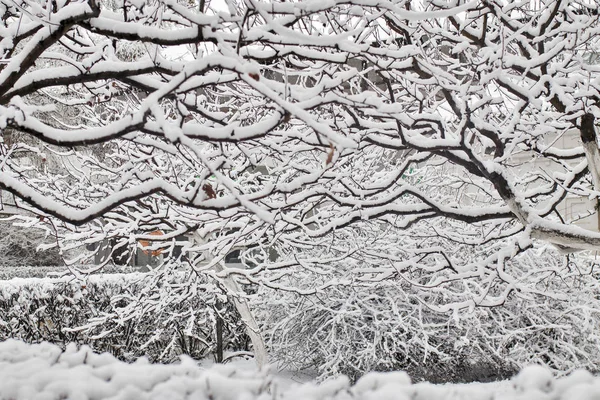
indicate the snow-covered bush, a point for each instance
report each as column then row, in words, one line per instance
column 103, row 311
column 359, row 325
column 44, row 371
column 33, row 271
column 30, row 271
column 353, row 330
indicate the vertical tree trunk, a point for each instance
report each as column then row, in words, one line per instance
column 241, row 305
column 590, row 147
column 219, row 332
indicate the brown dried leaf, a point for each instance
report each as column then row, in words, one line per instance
column 330, row 155
column 209, row 191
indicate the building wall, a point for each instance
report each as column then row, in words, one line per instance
column 574, row 209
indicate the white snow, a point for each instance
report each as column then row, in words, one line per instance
column 43, row 371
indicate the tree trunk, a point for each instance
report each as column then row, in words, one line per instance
column 219, row 333
column 241, row 305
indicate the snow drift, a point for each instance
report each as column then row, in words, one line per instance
column 44, row 371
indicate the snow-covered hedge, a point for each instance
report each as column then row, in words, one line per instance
column 33, row 271
column 29, row 271
column 128, row 315
column 44, row 371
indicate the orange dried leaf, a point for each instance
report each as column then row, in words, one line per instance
column 147, row 243
column 330, row 155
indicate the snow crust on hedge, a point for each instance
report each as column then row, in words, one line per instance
column 108, row 313
column 56, row 272
column 47, row 283
column 44, row 371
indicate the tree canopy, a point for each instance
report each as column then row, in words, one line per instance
column 416, row 140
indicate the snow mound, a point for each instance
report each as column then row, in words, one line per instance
column 44, row 371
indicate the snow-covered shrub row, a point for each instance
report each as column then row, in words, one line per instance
column 33, row 271
column 44, row 371
column 29, row 271
column 364, row 323
column 104, row 312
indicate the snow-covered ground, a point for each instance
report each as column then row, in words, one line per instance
column 282, row 379
column 43, row 371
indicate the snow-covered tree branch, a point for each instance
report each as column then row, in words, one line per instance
column 287, row 130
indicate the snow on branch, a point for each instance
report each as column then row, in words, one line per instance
column 267, row 127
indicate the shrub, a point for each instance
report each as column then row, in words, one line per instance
column 358, row 326
column 106, row 313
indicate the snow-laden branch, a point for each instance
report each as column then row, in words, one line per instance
column 274, row 129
